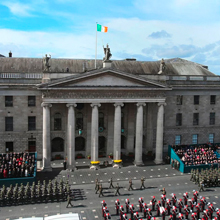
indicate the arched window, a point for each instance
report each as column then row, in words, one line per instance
column 101, row 120
column 57, row 122
column 79, row 121
column 57, row 145
column 79, row 144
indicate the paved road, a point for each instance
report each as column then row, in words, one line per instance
column 88, row 204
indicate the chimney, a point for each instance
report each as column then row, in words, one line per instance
column 10, row 54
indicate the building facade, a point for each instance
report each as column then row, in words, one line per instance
column 66, row 107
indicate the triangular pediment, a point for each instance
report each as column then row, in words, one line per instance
column 103, row 78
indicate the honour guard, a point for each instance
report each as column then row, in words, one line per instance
column 158, row 208
column 131, row 208
column 136, row 216
column 163, row 212
column 169, row 205
column 174, row 199
column 107, row 216
column 185, row 197
column 163, row 200
column 174, row 212
column 124, row 217
column 187, row 211
column 153, row 202
column 121, row 211
column 127, row 202
column 69, row 201
column 140, row 201
column 103, row 206
column 149, row 214
column 203, row 203
column 181, row 216
column 205, row 215
column 198, row 211
column 211, row 209
column 195, row 196
column 117, row 205
column 180, row 204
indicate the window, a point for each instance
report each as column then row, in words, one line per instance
column 79, row 121
column 101, row 120
column 195, row 139
column 212, row 99
column 31, row 146
column 31, row 123
column 179, row 100
column 178, row 119
column 196, row 99
column 8, row 123
column 212, row 118
column 211, row 138
column 31, row 100
column 195, row 118
column 57, row 122
column 177, row 139
column 9, row 146
column 8, row 101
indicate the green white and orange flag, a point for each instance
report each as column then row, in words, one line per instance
column 102, row 28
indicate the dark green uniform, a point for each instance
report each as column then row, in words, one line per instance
column 142, row 183
column 130, row 185
column 117, row 190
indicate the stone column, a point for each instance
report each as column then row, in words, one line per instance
column 149, row 139
column 117, row 131
column 95, row 132
column 71, row 137
column 159, row 135
column 139, row 134
column 46, row 137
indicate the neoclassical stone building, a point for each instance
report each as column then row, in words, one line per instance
column 66, row 107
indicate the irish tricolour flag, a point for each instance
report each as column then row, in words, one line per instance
column 102, row 28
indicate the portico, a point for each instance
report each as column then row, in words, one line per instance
column 93, row 90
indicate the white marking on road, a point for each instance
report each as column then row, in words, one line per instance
column 76, row 162
column 151, row 170
column 158, row 175
column 46, row 207
column 96, row 216
column 118, row 179
column 80, row 175
column 70, row 213
column 214, row 203
column 177, row 184
column 72, row 175
column 105, row 173
column 82, row 211
column 125, row 189
column 144, row 170
column 216, row 197
column 136, row 171
column 113, row 172
column 84, row 217
column 207, row 197
column 165, row 168
column 126, row 178
column 57, row 206
column 94, row 210
column 169, row 184
column 151, row 176
column 122, row 199
column 74, row 182
column 22, row 209
column 34, row 208
column 97, row 174
column 186, row 183
column 92, row 181
column 33, row 216
column 180, row 193
column 87, row 192
column 129, row 171
column 135, row 177
column 63, row 176
column 45, row 215
column 20, row 217
column 89, row 174
column 101, row 180
column 166, row 174
column 84, row 162
column 181, row 174
column 132, row 198
column 121, row 172
column 159, row 169
column 161, row 185
column 83, row 181
column 10, row 210
column 91, row 203
column 174, row 174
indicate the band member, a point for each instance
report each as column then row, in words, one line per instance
column 153, row 203
column 187, row 211
column 117, row 205
column 185, row 197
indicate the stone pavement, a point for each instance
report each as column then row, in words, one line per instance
column 88, row 204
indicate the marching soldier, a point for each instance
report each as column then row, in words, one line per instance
column 201, row 185
column 180, row 203
column 136, row 216
column 142, row 183
column 158, row 208
column 185, row 198
column 117, row 190
column 131, row 208
column 174, row 199
column 140, row 201
column 168, row 206
column 100, row 190
column 121, row 211
column 104, row 204
column 130, row 185
column 153, row 202
column 163, row 200
column 127, row 202
column 96, row 185
column 187, row 211
column 111, row 185
column 69, row 201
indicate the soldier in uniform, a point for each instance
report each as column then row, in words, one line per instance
column 69, row 201
column 117, row 190
column 142, row 182
column 130, row 185
column 111, row 185
column 201, row 185
column 163, row 191
column 100, row 190
column 96, row 184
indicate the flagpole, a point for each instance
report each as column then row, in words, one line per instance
column 96, row 45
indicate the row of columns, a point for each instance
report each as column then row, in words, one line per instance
column 95, row 134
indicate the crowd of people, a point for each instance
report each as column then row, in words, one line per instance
column 35, row 193
column 17, row 165
column 185, row 208
column 197, row 155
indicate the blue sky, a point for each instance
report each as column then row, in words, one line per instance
column 143, row 29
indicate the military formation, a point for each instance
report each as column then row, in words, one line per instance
column 99, row 188
column 35, row 193
column 172, row 208
column 206, row 178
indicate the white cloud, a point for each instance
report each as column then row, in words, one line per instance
column 18, row 9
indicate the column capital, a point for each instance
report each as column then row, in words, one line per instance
column 71, row 104
column 161, row 103
column 95, row 104
column 43, row 104
column 141, row 104
column 119, row 104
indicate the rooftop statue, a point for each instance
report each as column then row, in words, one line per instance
column 46, row 63
column 162, row 66
column 107, row 53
